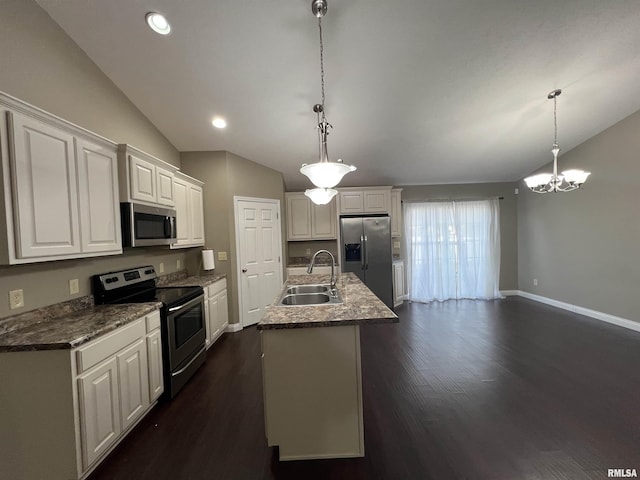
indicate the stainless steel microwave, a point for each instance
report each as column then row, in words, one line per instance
column 143, row 226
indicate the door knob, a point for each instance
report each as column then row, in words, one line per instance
column 244, row 270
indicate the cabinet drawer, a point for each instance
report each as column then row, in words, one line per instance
column 108, row 345
column 216, row 287
column 153, row 321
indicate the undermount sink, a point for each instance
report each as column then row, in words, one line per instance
column 309, row 295
column 308, row 289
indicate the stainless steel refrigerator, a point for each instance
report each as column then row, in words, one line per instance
column 366, row 251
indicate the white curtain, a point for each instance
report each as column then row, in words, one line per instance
column 452, row 249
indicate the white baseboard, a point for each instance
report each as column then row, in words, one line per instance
column 509, row 293
column 605, row 317
column 233, row 327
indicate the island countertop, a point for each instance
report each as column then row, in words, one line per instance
column 359, row 306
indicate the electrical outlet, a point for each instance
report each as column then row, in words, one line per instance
column 535, row 282
column 222, row 256
column 16, row 299
column 161, row 267
column 178, row 264
column 73, row 286
column 396, row 244
column 308, row 251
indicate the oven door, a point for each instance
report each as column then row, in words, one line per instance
column 186, row 332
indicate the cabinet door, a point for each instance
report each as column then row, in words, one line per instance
column 99, row 410
column 376, row 201
column 398, row 283
column 351, row 202
column 323, row 221
column 45, row 195
column 154, row 358
column 143, row 179
column 99, row 201
column 134, row 382
column 196, row 215
column 298, row 217
column 214, row 317
column 181, row 193
column 223, row 310
column 164, row 180
column 396, row 214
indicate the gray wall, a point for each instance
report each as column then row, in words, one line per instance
column 508, row 220
column 227, row 175
column 582, row 246
column 41, row 65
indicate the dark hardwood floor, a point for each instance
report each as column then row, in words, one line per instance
column 506, row 389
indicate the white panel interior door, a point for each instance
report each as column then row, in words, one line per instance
column 259, row 248
column 46, row 194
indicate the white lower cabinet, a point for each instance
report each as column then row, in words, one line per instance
column 99, row 410
column 398, row 283
column 69, row 408
column 154, row 356
column 134, row 382
column 216, row 310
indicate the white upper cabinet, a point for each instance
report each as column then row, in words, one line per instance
column 60, row 185
column 396, row 212
column 145, row 178
column 365, row 200
column 98, row 193
column 46, row 195
column 307, row 221
column 189, row 211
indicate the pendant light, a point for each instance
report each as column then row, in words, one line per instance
column 552, row 182
column 324, row 174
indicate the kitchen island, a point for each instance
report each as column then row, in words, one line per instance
column 311, row 370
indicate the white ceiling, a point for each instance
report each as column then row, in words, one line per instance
column 418, row 91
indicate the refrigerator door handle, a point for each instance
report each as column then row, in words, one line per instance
column 362, row 248
column 366, row 253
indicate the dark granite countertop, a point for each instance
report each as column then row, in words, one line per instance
column 37, row 331
column 360, row 307
column 203, row 280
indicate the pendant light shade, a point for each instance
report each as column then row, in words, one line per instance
column 321, row 196
column 326, row 174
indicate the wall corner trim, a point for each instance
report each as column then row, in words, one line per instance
column 605, row 317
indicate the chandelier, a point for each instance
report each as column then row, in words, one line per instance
column 324, row 174
column 552, row 182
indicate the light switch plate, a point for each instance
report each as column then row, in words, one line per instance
column 73, row 286
column 178, row 264
column 222, row 255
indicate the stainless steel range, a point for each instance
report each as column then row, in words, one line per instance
column 182, row 312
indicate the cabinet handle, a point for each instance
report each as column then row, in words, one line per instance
column 244, row 270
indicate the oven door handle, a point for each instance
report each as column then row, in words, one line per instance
column 188, row 304
column 174, row 374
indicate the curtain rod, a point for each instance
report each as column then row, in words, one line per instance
column 449, row 199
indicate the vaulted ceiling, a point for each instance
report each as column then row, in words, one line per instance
column 418, row 91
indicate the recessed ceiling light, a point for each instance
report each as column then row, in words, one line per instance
column 219, row 122
column 158, row 23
